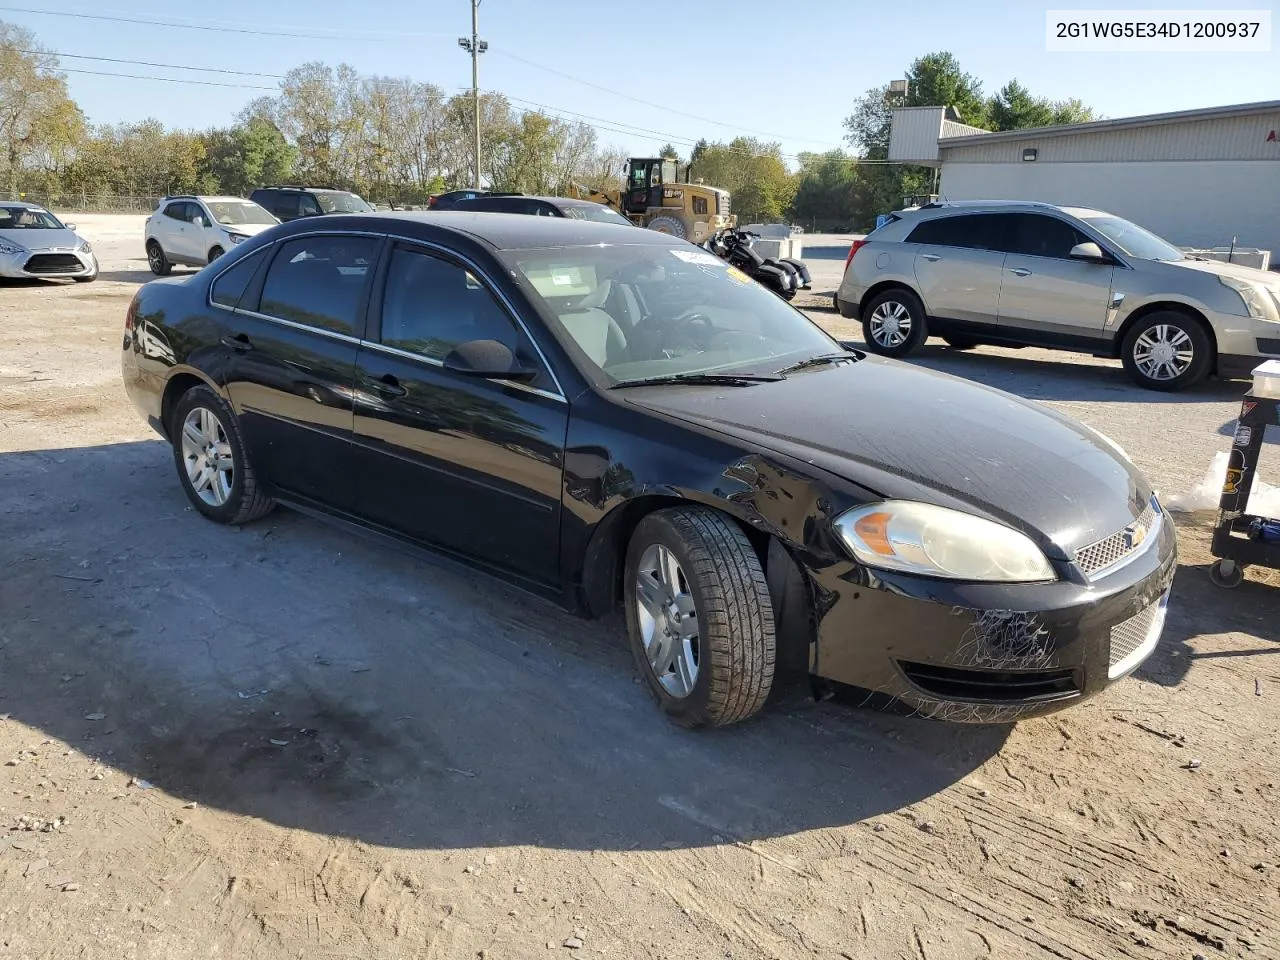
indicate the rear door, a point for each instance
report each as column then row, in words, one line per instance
column 1045, row 292
column 474, row 466
column 291, row 348
column 958, row 265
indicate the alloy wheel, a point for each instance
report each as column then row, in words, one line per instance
column 1164, row 352
column 208, row 456
column 155, row 257
column 668, row 620
column 890, row 323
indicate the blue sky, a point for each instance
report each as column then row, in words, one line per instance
column 815, row 57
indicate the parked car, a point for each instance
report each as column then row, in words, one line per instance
column 543, row 207
column 35, row 243
column 194, row 231
column 447, row 201
column 1021, row 273
column 293, row 202
column 611, row 417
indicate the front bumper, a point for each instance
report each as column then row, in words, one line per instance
column 49, row 264
column 989, row 653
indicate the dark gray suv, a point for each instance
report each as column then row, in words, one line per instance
column 1023, row 273
column 292, row 202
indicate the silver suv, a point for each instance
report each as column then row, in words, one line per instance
column 1023, row 273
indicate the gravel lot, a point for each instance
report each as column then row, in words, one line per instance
column 288, row 741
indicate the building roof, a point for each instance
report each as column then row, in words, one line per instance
column 1121, row 123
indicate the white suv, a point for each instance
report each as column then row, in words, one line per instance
column 197, row 230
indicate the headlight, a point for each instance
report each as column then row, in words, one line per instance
column 9, row 249
column 934, row 541
column 237, row 237
column 1258, row 301
column 85, row 247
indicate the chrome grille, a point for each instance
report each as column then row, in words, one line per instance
column 1133, row 639
column 1109, row 551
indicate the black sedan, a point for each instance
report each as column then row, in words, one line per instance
column 610, row 416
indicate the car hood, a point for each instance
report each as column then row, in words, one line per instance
column 907, row 432
column 247, row 229
column 35, row 240
column 1266, row 278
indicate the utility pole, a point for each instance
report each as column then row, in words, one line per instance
column 475, row 46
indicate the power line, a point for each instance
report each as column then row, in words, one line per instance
column 150, row 63
column 135, row 76
column 649, row 103
column 379, row 36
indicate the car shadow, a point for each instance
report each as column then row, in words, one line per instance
column 140, row 275
column 295, row 672
column 1064, row 376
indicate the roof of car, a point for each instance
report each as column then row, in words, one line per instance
column 506, row 232
column 560, row 201
column 22, row 203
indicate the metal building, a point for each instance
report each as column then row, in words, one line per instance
column 1199, row 178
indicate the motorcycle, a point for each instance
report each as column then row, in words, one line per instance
column 785, row 276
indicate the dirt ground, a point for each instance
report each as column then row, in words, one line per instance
column 288, row 741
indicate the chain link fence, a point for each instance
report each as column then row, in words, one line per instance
column 84, row 202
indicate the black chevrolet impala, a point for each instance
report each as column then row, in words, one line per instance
column 609, row 416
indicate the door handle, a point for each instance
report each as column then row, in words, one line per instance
column 239, row 343
column 1020, row 272
column 386, row 384
column 931, row 257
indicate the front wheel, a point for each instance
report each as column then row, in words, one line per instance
column 893, row 323
column 157, row 260
column 213, row 465
column 1167, row 351
column 670, row 226
column 699, row 617
column 214, row 254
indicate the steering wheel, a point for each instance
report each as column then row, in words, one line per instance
column 689, row 322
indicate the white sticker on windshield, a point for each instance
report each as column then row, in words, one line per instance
column 562, row 280
column 697, row 256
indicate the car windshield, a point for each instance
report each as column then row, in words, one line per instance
column 341, row 202
column 638, row 311
column 245, row 212
column 1133, row 239
column 27, row 218
column 595, row 212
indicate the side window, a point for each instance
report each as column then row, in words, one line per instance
column 699, row 205
column 284, row 204
column 176, row 211
column 231, row 284
column 319, row 281
column 545, row 210
column 977, row 231
column 1036, row 235
column 430, row 306
column 307, row 205
column 198, row 211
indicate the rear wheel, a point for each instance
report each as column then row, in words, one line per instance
column 893, row 323
column 157, row 260
column 214, row 254
column 699, row 617
column 670, row 226
column 212, row 463
column 1167, row 351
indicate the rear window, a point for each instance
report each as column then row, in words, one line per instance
column 231, row 284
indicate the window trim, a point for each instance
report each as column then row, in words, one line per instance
column 364, row 340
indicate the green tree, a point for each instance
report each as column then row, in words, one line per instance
column 826, row 189
column 669, row 152
column 1014, row 108
column 37, row 117
column 252, row 154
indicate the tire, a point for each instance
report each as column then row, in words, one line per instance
column 237, row 500
column 960, row 343
column 886, row 315
column 1227, row 574
column 214, row 254
column 722, row 589
column 157, row 261
column 670, row 226
column 1181, row 334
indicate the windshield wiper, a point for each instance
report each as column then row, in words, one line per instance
column 713, row 379
column 815, row 361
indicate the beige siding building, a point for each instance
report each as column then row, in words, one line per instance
column 1198, row 177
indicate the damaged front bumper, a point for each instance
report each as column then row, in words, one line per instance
column 991, row 653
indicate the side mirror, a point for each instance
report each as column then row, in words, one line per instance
column 72, row 226
column 198, row 221
column 1089, row 251
column 489, row 359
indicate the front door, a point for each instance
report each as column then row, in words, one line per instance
column 1045, row 292
column 180, row 243
column 958, row 267
column 471, row 465
column 291, row 355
